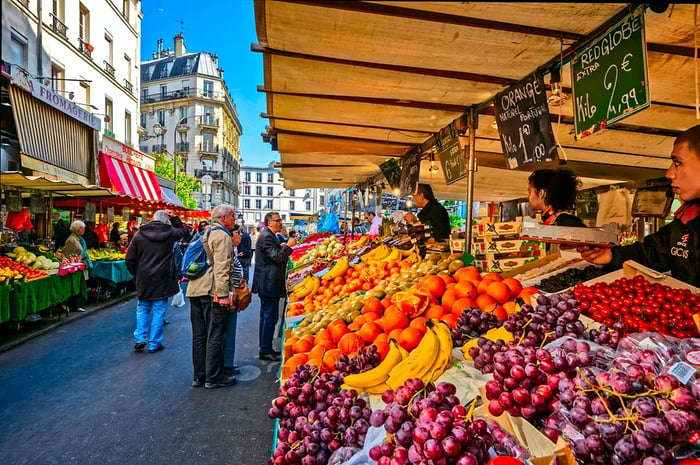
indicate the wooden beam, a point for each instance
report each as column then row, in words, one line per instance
column 332, row 136
column 445, row 73
column 351, row 125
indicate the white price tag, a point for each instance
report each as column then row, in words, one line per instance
column 683, row 371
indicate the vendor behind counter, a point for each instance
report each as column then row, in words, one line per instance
column 432, row 212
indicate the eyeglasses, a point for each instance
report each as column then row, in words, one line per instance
column 276, row 219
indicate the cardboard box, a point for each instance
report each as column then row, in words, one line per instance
column 506, row 246
column 570, row 235
column 510, row 228
column 501, row 265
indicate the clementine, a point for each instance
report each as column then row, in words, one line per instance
column 435, row 285
column 350, row 343
column 500, row 313
column 330, row 358
column 409, row 338
column 484, row 285
column 499, row 291
column 447, row 278
column 514, row 286
column 466, row 289
column 468, row 272
column 419, row 324
column 301, row 346
column 462, row 304
column 449, row 298
column 373, row 305
column 338, row 330
column 369, row 332
column 435, row 312
column 493, row 276
column 450, row 319
column 486, row 303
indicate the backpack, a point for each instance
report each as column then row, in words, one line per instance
column 177, row 259
column 194, row 261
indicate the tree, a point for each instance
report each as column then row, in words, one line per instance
column 185, row 184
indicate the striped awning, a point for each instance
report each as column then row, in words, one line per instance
column 127, row 179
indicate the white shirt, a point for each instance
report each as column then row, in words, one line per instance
column 376, row 223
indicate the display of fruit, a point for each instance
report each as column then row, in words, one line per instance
column 473, row 323
column 569, row 278
column 329, row 247
column 13, row 271
column 641, row 306
column 105, row 254
column 554, row 317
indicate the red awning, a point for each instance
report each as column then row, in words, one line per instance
column 128, row 179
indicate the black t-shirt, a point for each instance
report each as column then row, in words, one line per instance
column 438, row 218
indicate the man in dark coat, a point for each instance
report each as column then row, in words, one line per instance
column 150, row 259
column 90, row 236
column 61, row 231
column 269, row 280
column 432, row 212
column 245, row 253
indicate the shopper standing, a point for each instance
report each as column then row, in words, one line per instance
column 232, row 317
column 61, row 231
column 245, row 252
column 150, row 259
column 269, row 280
column 210, row 299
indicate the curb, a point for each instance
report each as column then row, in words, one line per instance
column 88, row 311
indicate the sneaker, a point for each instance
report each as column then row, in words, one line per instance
column 270, row 357
column 80, row 309
column 139, row 346
column 234, row 370
column 225, row 382
column 156, row 349
column 197, row 383
column 166, row 322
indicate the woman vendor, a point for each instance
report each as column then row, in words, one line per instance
column 553, row 192
column 676, row 246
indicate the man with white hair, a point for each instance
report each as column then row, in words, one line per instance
column 150, row 259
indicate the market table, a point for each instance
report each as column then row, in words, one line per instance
column 111, row 270
column 37, row 295
column 4, row 303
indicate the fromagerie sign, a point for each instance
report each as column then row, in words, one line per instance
column 523, row 122
column 609, row 77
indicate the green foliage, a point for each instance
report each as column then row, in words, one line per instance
column 456, row 221
column 185, row 183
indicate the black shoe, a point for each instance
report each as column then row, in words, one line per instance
column 271, row 357
column 225, row 382
column 232, row 370
column 157, row 349
column 166, row 322
column 197, row 383
column 139, row 346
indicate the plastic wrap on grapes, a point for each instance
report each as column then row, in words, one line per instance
column 589, row 353
column 343, row 455
column 375, row 437
column 651, row 351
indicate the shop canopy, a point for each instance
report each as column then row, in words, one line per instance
column 58, row 188
column 352, row 84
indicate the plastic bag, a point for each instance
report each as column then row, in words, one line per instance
column 179, row 299
column 374, row 437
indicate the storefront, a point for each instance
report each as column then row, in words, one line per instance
column 127, row 171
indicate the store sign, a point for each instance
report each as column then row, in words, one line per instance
column 410, row 173
column 451, row 157
column 48, row 168
column 36, row 204
column 54, row 99
column 522, row 115
column 116, row 149
column 13, row 200
column 609, row 77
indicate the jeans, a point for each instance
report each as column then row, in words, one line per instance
column 208, row 323
column 230, row 338
column 149, row 321
column 269, row 312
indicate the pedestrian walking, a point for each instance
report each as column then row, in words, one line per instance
column 150, row 259
column 237, row 278
column 210, row 299
column 269, row 280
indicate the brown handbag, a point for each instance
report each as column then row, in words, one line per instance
column 243, row 296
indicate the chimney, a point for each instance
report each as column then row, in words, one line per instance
column 179, row 45
column 159, row 48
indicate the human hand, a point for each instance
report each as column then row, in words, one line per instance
column 595, row 255
column 292, row 242
column 225, row 302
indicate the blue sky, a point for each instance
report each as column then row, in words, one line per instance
column 226, row 28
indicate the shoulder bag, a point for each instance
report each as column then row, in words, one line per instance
column 243, row 296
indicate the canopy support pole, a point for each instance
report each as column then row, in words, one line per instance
column 470, row 155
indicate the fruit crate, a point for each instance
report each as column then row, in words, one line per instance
column 510, row 228
column 500, row 265
column 505, row 246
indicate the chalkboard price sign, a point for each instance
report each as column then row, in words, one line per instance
column 451, row 157
column 392, row 172
column 410, row 172
column 523, row 122
column 609, row 77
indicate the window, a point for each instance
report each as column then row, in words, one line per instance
column 186, row 87
column 284, row 217
column 258, row 190
column 109, row 115
column 270, row 177
column 308, row 206
column 18, row 50
column 84, row 24
column 247, row 176
column 86, row 92
column 269, row 205
column 125, row 9
column 322, row 199
column 292, row 204
column 291, row 193
column 145, row 94
column 208, row 142
column 269, row 192
column 58, row 9
column 208, row 89
column 127, row 128
column 183, row 115
column 258, row 177
column 208, row 115
column 161, row 117
column 127, row 61
column 142, row 120
column 258, row 204
column 110, row 52
column 163, row 91
column 246, row 190
column 57, row 82
column 246, row 203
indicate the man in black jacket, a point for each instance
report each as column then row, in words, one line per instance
column 61, row 231
column 676, row 246
column 432, row 212
column 150, row 259
column 245, row 253
column 269, row 280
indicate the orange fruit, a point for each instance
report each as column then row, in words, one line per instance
column 383, row 337
column 290, row 341
column 295, row 360
column 434, row 312
column 468, row 272
column 350, row 343
column 493, row 276
column 527, row 293
column 419, row 324
column 382, row 348
column 323, row 337
column 315, row 362
column 338, row 330
column 510, row 307
column 450, row 319
column 373, row 305
column 447, row 278
column 448, row 299
column 435, row 285
column 486, row 303
column 466, row 289
column 461, row 305
column 393, row 319
column 514, row 286
column 500, row 313
column 317, row 351
column 395, row 334
column 369, row 332
column 409, row 338
column 330, row 358
column 499, row 291
column 301, row 346
column 484, row 285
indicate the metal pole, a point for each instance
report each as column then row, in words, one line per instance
column 471, row 169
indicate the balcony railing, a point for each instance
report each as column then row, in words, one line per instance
column 128, row 86
column 208, row 121
column 182, row 93
column 109, row 68
column 208, row 149
column 159, row 148
column 182, row 147
column 24, row 3
column 215, row 175
column 85, row 47
column 58, row 26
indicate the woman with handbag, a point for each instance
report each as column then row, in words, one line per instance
column 231, row 320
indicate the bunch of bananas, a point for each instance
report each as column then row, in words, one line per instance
column 307, row 286
column 339, row 269
column 427, row 361
column 386, row 253
column 380, row 253
column 412, row 254
column 359, row 242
